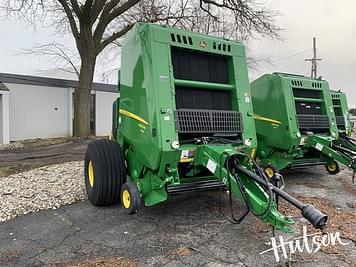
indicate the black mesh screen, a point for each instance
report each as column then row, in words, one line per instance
column 196, row 98
column 307, row 93
column 340, row 122
column 336, row 102
column 308, row 108
column 313, row 122
column 208, row 121
column 198, row 66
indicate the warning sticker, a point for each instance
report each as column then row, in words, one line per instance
column 319, row 146
column 211, row 166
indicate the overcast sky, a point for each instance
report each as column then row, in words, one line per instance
column 332, row 22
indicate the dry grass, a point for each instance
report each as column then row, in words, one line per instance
column 348, row 186
column 106, row 262
column 338, row 221
column 181, row 251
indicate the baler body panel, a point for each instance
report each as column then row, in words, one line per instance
column 168, row 72
column 290, row 109
column 341, row 111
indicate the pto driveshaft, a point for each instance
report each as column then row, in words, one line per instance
column 309, row 212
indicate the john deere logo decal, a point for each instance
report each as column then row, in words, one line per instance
column 202, row 44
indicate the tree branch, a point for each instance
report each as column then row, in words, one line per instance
column 109, row 14
column 113, row 37
column 96, row 9
column 72, row 23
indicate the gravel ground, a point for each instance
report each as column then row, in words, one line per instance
column 43, row 188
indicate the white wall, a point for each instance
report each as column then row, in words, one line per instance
column 103, row 112
column 38, row 111
column 1, row 121
column 4, row 117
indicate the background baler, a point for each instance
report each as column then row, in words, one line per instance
column 296, row 124
column 183, row 123
column 343, row 122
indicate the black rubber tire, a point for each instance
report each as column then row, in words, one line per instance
column 135, row 199
column 109, row 172
column 273, row 168
column 114, row 121
column 332, row 170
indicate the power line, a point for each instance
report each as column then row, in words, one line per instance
column 293, row 55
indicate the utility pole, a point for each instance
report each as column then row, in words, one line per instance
column 313, row 60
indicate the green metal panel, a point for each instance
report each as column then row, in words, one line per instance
column 341, row 109
column 280, row 140
column 147, row 99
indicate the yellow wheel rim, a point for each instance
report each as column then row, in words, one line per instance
column 269, row 171
column 91, row 174
column 332, row 166
column 126, row 200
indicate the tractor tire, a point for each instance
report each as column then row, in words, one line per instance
column 130, row 198
column 114, row 121
column 332, row 167
column 270, row 171
column 104, row 171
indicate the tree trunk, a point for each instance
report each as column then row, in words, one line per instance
column 81, row 123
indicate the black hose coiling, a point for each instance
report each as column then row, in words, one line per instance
column 231, row 170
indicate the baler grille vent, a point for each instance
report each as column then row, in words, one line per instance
column 316, row 85
column 177, row 38
column 208, row 121
column 335, row 96
column 309, row 122
column 221, row 46
column 340, row 122
column 297, row 83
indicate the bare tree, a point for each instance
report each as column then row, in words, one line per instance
column 96, row 24
column 58, row 53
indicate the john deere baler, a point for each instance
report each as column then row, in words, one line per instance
column 343, row 121
column 184, row 123
column 296, row 124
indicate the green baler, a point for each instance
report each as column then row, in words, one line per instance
column 296, row 124
column 343, row 121
column 183, row 122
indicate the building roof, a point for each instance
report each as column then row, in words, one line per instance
column 3, row 87
column 44, row 81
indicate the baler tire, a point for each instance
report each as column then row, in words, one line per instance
column 114, row 121
column 130, row 198
column 332, row 167
column 104, row 172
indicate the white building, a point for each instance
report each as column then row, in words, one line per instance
column 38, row 107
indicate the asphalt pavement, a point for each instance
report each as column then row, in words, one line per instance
column 187, row 230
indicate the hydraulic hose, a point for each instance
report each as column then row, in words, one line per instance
column 269, row 191
column 242, row 189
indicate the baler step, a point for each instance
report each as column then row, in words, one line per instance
column 195, row 186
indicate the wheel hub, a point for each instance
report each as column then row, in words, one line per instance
column 91, row 174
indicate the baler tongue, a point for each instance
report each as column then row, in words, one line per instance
column 339, row 152
column 253, row 189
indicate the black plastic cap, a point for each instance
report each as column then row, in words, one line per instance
column 314, row 216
